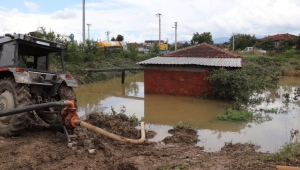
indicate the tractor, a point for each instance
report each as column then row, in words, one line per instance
column 34, row 92
column 26, row 78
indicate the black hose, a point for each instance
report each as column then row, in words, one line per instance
column 31, row 107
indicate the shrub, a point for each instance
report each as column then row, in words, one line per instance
column 290, row 53
column 134, row 120
column 239, row 84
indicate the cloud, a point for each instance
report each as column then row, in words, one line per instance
column 64, row 14
column 136, row 20
column 31, row 6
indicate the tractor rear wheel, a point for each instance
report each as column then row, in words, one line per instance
column 13, row 95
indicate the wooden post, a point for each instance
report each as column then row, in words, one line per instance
column 123, row 76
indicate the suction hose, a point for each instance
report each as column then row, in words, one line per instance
column 71, row 120
column 113, row 136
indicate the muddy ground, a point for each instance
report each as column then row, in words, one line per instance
column 39, row 148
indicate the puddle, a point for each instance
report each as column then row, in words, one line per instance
column 270, row 130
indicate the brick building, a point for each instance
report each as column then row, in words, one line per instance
column 183, row 72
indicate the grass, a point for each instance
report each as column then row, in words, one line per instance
column 181, row 125
column 235, row 115
column 134, row 120
column 288, row 154
column 288, row 61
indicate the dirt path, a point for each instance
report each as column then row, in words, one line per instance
column 40, row 148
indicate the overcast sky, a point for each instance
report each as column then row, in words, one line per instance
column 136, row 20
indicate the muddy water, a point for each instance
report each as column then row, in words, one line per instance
column 270, row 129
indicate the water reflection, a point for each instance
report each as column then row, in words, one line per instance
column 276, row 114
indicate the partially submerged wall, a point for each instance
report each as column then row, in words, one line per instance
column 176, row 80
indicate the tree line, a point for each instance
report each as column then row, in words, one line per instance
column 241, row 41
column 75, row 51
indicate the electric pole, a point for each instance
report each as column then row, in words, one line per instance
column 175, row 35
column 158, row 14
column 83, row 22
column 233, row 41
column 89, row 25
column 107, row 33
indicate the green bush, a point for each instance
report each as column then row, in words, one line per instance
column 290, row 53
column 134, row 120
column 257, row 74
column 235, row 115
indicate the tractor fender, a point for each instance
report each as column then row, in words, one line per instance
column 71, row 82
column 22, row 77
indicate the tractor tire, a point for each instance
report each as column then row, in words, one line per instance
column 65, row 93
column 13, row 95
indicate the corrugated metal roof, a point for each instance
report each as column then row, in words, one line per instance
column 219, row 62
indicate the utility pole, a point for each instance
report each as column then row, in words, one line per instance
column 89, row 25
column 83, row 22
column 175, row 35
column 233, row 41
column 158, row 14
column 107, row 33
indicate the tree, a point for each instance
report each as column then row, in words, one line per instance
column 120, row 37
column 42, row 33
column 113, row 39
column 297, row 42
column 155, row 49
column 241, row 41
column 287, row 44
column 268, row 45
column 200, row 38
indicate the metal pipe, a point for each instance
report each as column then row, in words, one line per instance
column 113, row 136
column 32, row 107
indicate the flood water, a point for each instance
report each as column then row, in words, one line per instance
column 270, row 129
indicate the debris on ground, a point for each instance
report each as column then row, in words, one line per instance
column 41, row 148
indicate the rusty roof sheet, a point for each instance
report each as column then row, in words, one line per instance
column 219, row 62
column 202, row 50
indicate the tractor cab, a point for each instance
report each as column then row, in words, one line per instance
column 30, row 53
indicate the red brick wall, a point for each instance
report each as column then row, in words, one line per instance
column 175, row 82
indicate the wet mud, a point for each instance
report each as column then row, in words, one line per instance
column 40, row 148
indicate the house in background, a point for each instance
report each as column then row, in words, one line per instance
column 278, row 39
column 141, row 48
column 183, row 72
column 150, row 43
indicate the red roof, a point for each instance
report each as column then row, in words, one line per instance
column 202, row 50
column 278, row 37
